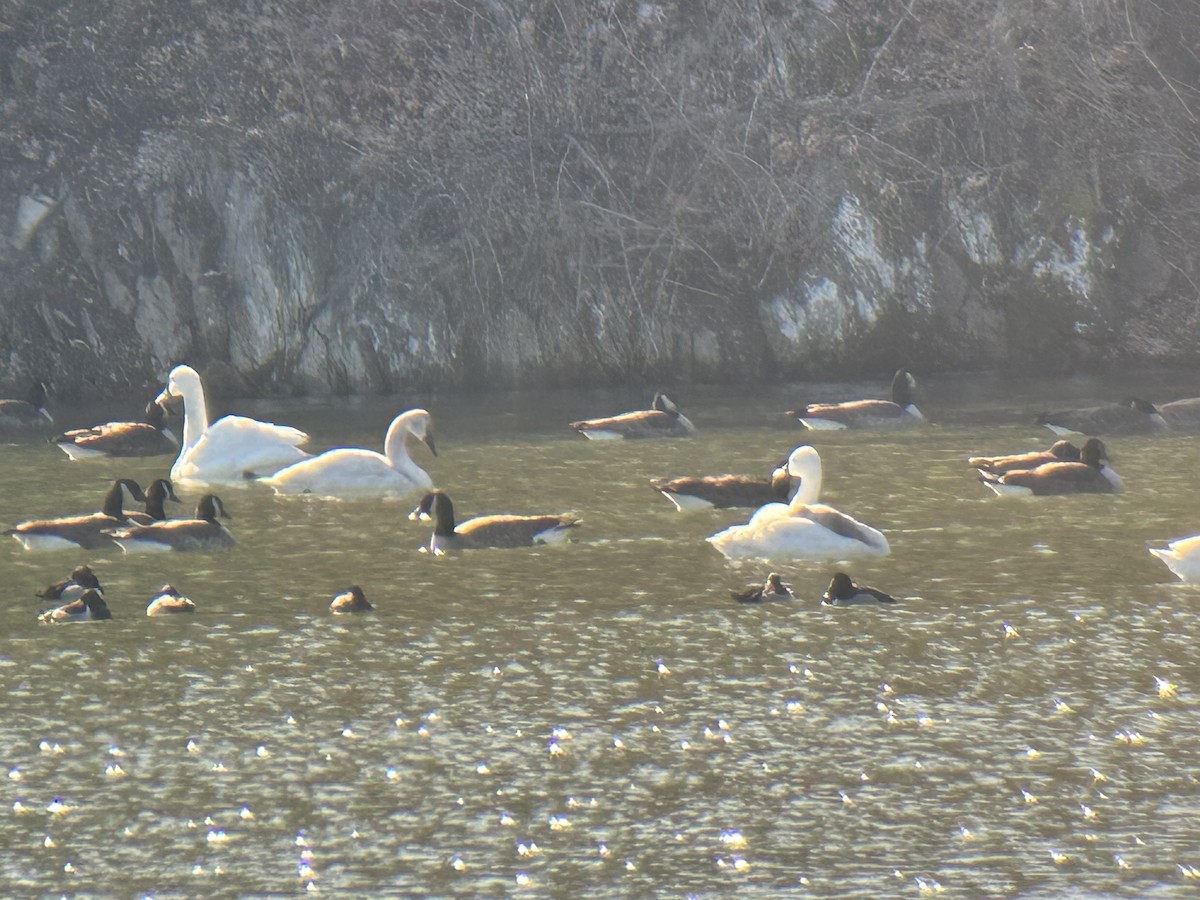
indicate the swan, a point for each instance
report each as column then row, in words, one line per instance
column 803, row 528
column 488, row 531
column 231, row 448
column 203, row 532
column 148, row 437
column 28, row 412
column 1088, row 476
column 842, row 591
column 772, row 589
column 663, row 419
column 1182, row 557
column 351, row 472
column 351, row 600
column 1132, row 416
column 89, row 607
column 899, row 412
column 167, row 601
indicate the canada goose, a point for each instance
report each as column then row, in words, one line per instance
column 28, row 412
column 772, row 589
column 803, row 528
column 1181, row 415
column 1088, row 476
column 1132, row 416
column 1060, row 451
column 725, row 491
column 82, row 578
column 121, row 439
column 168, row 601
column 230, row 449
column 203, row 532
column 88, row 531
column 844, row 592
column 900, row 411
column 351, row 600
column 488, row 531
column 89, row 607
column 353, row 472
column 157, row 494
column 663, row 419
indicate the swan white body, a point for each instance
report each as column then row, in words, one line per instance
column 353, row 472
column 803, row 528
column 230, row 449
column 1182, row 557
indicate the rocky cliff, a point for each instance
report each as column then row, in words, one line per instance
column 365, row 195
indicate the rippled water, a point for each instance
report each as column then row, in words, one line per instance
column 600, row 717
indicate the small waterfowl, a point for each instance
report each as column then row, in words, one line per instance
column 169, row 601
column 82, row 578
column 203, row 532
column 352, row 600
column 899, row 412
column 87, row 531
column 725, row 491
column 663, row 419
column 772, row 589
column 1088, row 476
column 148, row 437
column 89, row 607
column 230, row 449
column 1132, row 416
column 157, row 494
column 1059, row 451
column 488, row 531
column 28, row 412
column 802, row 528
column 353, row 472
column 844, row 592
column 1182, row 557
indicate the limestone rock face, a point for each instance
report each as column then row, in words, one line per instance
column 367, row 196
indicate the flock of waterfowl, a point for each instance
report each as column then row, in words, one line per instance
column 789, row 523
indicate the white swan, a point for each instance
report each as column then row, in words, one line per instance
column 230, row 449
column 352, row 472
column 803, row 528
column 1182, row 557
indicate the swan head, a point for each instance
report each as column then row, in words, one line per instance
column 804, row 465
column 181, row 381
column 421, row 426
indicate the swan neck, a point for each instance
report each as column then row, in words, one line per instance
column 195, row 415
column 809, row 490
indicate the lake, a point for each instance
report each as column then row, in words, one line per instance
column 600, row 718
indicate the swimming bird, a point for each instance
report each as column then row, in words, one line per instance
column 353, row 472
column 1059, row 451
column 230, row 449
column 157, row 494
column 1182, row 557
column 488, row 531
column 28, row 412
column 168, row 601
column 898, row 412
column 1181, row 415
column 663, row 419
column 148, row 437
column 89, row 607
column 1132, row 416
column 203, row 532
column 1088, row 476
column 351, row 600
column 725, row 491
column 803, row 528
column 772, row 589
column 844, row 592
column 86, row 531
column 72, row 588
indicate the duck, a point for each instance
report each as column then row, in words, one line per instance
column 148, row 437
column 168, row 601
column 28, row 412
column 1182, row 556
column 352, row 472
column 203, row 532
column 1059, row 451
column 801, row 528
column 69, row 589
column 1088, row 476
column 157, row 494
column 86, row 531
column 230, row 449
column 1132, row 416
column 772, row 589
column 488, row 531
column 662, row 420
column 351, row 600
column 842, row 591
column 89, row 607
column 899, row 412
column 725, row 491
